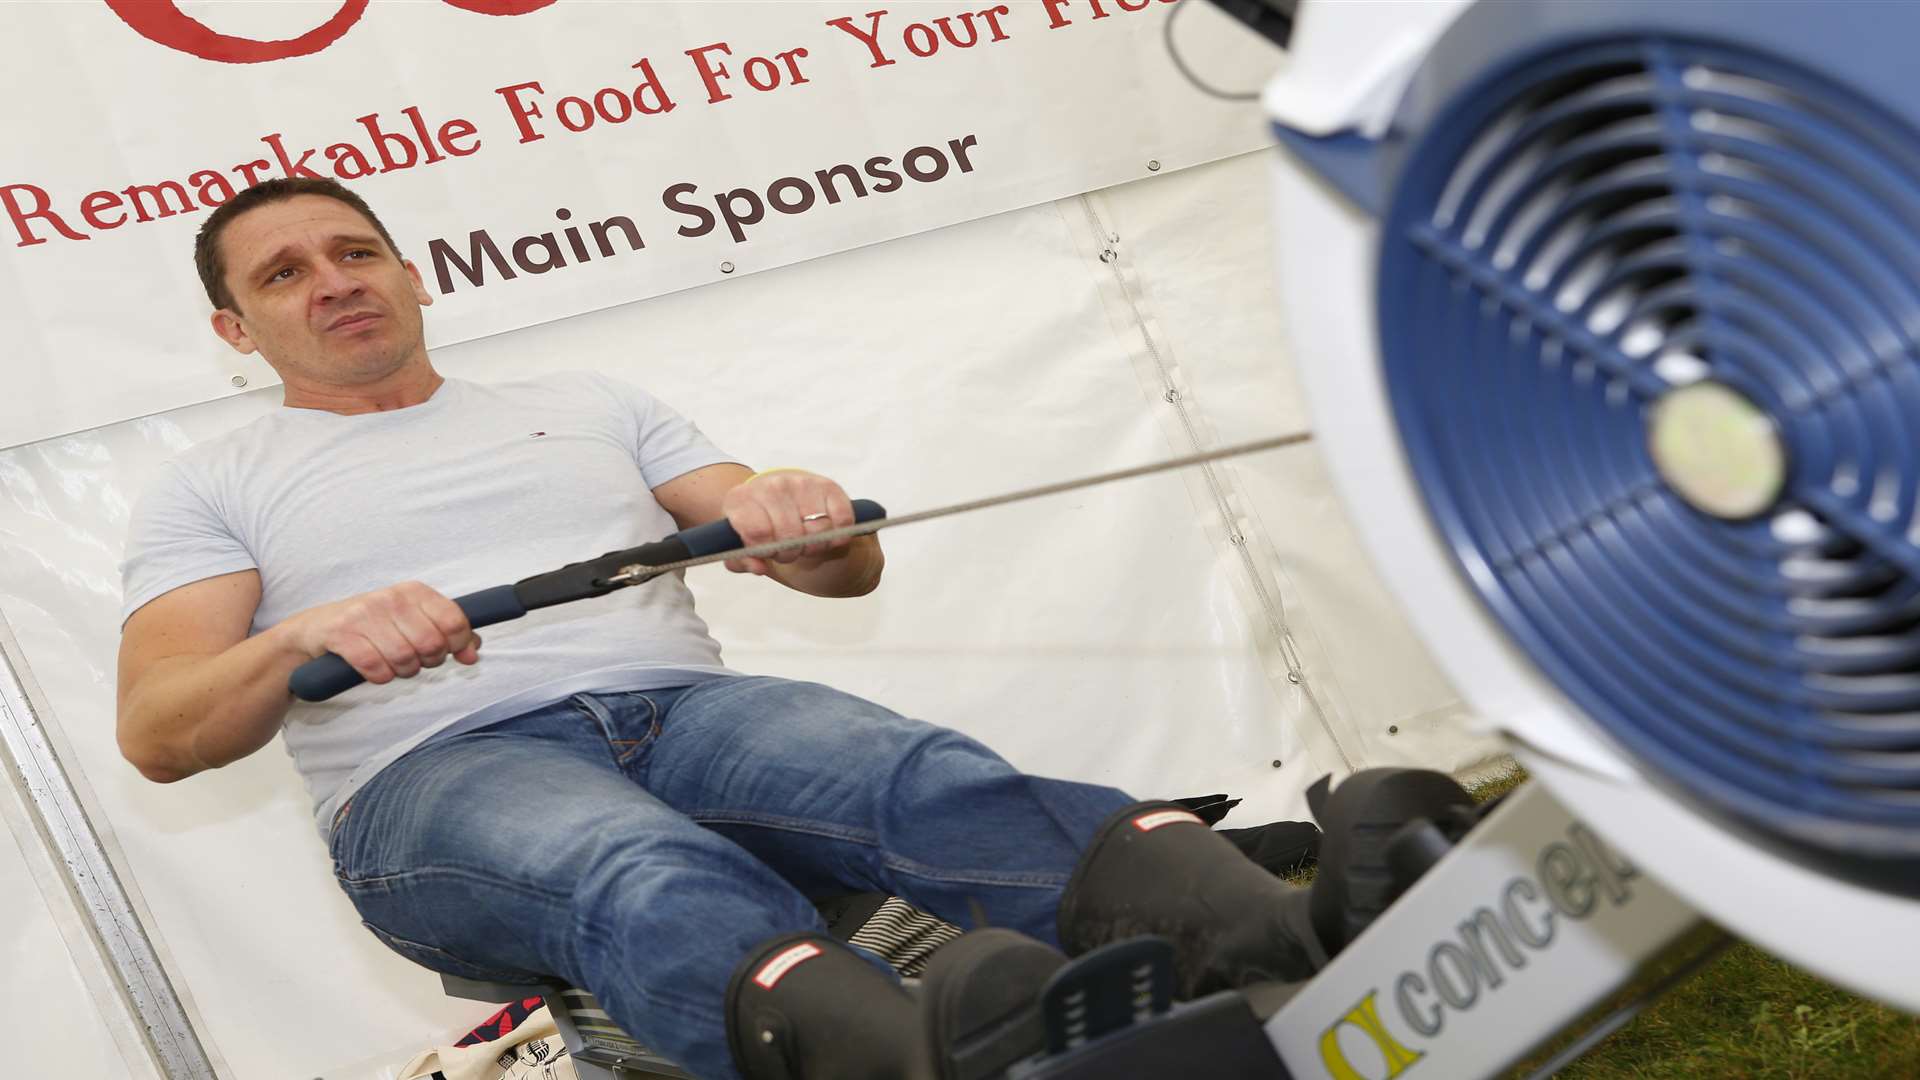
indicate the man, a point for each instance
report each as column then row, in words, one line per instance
column 597, row 798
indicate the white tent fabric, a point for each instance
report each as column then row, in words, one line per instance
column 1183, row 633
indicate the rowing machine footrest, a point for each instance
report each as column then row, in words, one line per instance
column 1216, row 1036
column 1107, row 989
column 1109, row 1015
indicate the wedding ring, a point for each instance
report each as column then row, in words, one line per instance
column 816, row 517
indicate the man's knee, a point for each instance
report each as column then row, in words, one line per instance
column 786, row 720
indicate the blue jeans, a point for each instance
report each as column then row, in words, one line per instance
column 640, row 844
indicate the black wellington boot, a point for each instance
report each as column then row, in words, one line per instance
column 806, row 1007
column 1156, row 868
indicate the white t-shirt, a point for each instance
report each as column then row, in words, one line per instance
column 480, row 485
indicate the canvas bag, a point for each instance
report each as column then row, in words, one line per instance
column 532, row 1051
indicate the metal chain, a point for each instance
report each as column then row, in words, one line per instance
column 638, row 572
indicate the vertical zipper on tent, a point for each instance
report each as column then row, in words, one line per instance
column 54, row 807
column 1272, row 606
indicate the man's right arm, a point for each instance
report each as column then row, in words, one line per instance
column 197, row 693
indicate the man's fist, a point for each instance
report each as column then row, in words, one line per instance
column 787, row 505
column 390, row 633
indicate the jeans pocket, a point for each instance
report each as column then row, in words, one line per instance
column 620, row 714
column 445, row 963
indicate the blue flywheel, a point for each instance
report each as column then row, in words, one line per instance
column 1649, row 315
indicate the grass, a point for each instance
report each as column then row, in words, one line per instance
column 1750, row 1015
column 1746, row 1015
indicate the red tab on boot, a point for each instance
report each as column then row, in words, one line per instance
column 786, row 961
column 1150, row 822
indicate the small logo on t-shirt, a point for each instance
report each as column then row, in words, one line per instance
column 535, row 434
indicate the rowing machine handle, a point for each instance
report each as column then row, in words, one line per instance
column 717, row 536
column 325, row 676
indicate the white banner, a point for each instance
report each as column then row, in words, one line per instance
column 539, row 159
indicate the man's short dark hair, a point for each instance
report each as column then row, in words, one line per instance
column 206, row 246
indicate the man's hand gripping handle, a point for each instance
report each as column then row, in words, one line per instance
column 325, row 676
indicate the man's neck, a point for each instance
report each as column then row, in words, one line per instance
column 403, row 389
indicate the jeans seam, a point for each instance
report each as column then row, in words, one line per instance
column 868, row 838
column 653, row 730
column 463, row 873
column 333, row 828
column 975, row 877
column 786, row 824
column 506, row 974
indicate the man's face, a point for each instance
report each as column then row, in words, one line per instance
column 319, row 295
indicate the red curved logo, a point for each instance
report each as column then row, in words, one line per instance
column 162, row 22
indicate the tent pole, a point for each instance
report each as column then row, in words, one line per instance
column 54, row 810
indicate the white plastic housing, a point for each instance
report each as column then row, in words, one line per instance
column 1327, row 253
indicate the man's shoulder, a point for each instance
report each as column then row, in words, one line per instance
column 235, row 447
column 205, row 473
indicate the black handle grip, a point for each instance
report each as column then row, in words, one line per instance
column 324, row 676
column 717, row 536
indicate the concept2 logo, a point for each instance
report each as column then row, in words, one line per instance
column 1571, row 877
column 163, row 22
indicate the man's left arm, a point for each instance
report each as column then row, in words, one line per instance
column 784, row 504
